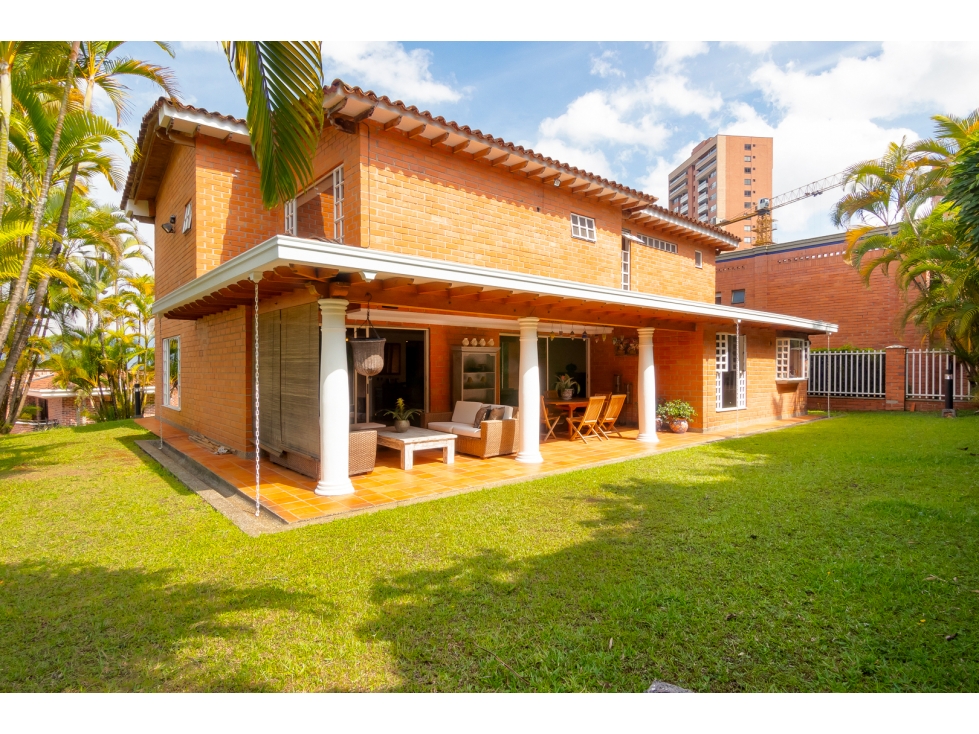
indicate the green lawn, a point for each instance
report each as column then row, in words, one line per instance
column 834, row 556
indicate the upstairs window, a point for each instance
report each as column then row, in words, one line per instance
column 737, row 296
column 747, row 170
column 583, row 227
column 791, row 359
column 747, row 146
column 188, row 217
column 338, row 189
column 289, row 213
column 657, row 244
column 698, row 259
column 717, row 298
column 626, row 264
column 747, row 159
column 171, row 372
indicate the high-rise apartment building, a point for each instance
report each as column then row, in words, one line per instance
column 724, row 176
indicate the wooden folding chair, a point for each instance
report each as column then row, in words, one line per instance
column 606, row 423
column 549, row 422
column 586, row 426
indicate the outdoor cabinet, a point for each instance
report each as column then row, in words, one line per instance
column 474, row 374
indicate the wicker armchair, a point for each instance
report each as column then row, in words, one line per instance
column 361, row 456
column 496, row 438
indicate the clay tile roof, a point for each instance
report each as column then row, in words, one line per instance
column 145, row 129
column 339, row 85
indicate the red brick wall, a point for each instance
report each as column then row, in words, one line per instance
column 816, row 283
column 766, row 399
column 174, row 254
column 216, row 370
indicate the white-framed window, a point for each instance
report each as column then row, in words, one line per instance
column 737, row 296
column 171, row 372
column 747, row 228
column 289, row 214
column 338, row 189
column 626, row 264
column 583, row 227
column 657, row 244
column 747, row 159
column 188, row 217
column 791, row 359
column 747, row 182
column 731, row 368
column 698, row 259
column 747, row 240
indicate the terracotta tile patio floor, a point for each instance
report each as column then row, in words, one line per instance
column 290, row 496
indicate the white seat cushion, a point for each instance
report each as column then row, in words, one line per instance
column 443, row 426
column 461, row 429
column 465, row 412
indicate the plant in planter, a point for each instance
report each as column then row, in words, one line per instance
column 677, row 413
column 566, row 386
column 401, row 415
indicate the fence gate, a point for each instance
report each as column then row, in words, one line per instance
column 847, row 374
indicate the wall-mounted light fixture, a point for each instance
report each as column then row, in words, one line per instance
column 168, row 226
column 557, row 182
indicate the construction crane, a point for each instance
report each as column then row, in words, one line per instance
column 765, row 207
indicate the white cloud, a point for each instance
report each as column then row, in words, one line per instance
column 674, row 53
column 656, row 180
column 633, row 115
column 752, row 47
column 602, row 65
column 207, row 46
column 387, row 68
column 837, row 117
column 588, row 159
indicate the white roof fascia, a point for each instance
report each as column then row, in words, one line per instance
column 693, row 226
column 283, row 250
column 207, row 124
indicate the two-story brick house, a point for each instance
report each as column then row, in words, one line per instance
column 450, row 235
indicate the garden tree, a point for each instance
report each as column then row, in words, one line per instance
column 283, row 86
column 19, row 291
column 892, row 225
column 82, row 154
column 963, row 192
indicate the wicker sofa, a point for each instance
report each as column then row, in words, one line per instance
column 492, row 438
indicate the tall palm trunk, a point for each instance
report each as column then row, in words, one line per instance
column 6, row 104
column 20, row 287
column 26, row 325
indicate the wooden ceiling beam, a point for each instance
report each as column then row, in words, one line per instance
column 500, row 161
column 495, row 295
column 465, row 291
column 433, row 287
column 393, row 123
column 460, row 147
column 438, row 139
column 522, row 297
column 390, row 284
column 552, row 177
column 483, row 153
column 416, row 131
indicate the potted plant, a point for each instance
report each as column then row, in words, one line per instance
column 566, row 387
column 677, row 413
column 401, row 415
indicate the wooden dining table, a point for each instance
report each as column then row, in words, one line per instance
column 570, row 406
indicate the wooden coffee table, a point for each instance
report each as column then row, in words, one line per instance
column 418, row 439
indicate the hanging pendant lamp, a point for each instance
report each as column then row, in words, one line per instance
column 368, row 354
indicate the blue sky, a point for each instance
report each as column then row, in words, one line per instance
column 632, row 111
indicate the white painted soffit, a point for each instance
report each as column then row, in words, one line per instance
column 385, row 315
column 191, row 122
column 283, row 250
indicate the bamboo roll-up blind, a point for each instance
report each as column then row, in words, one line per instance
column 299, row 379
column 268, row 382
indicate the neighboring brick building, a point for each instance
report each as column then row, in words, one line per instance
column 810, row 278
column 450, row 235
column 724, row 176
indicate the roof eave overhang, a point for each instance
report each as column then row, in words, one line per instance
column 283, row 251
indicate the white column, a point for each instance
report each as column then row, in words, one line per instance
column 334, row 401
column 646, row 394
column 529, row 394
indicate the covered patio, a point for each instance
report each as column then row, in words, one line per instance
column 291, row 497
column 335, row 280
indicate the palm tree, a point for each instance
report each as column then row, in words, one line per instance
column 20, row 286
column 283, row 86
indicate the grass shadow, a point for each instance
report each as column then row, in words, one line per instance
column 74, row 626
